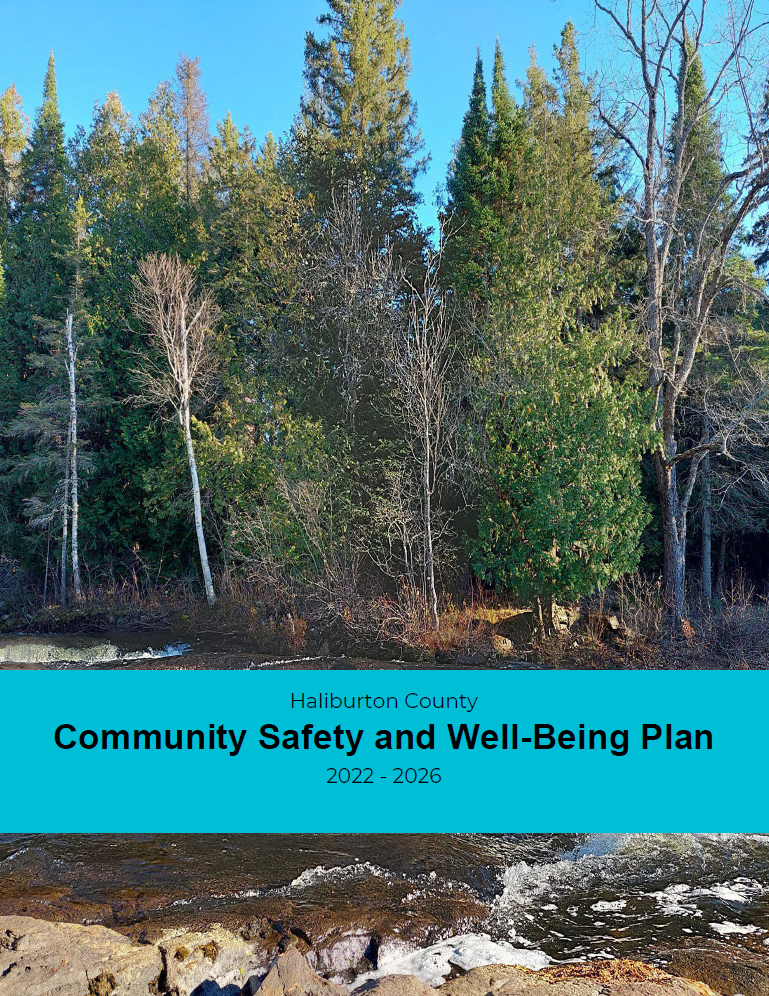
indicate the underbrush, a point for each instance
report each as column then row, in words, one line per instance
column 626, row 627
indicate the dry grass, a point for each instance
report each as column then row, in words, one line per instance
column 624, row 628
column 616, row 970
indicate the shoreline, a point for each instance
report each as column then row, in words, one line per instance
column 64, row 959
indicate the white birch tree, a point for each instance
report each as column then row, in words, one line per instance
column 182, row 323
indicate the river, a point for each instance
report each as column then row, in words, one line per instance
column 534, row 898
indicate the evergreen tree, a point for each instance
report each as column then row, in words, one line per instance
column 13, row 141
column 38, row 277
column 192, row 123
column 508, row 149
column 251, row 219
column 759, row 236
column 564, row 421
column 469, row 215
column 356, row 132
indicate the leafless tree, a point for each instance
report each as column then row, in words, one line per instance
column 347, row 287
column 418, row 358
column 182, row 323
column 641, row 103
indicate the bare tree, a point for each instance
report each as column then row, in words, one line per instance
column 643, row 105
column 418, row 359
column 346, row 282
column 182, row 323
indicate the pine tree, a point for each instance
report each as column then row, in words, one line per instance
column 759, row 236
column 251, row 219
column 13, row 141
column 469, row 216
column 356, row 132
column 507, row 147
column 563, row 417
column 38, row 283
column 192, row 123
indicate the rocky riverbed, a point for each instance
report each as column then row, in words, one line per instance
column 39, row 958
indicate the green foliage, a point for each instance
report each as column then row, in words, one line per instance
column 469, row 215
column 356, row 131
column 564, row 418
column 561, row 513
column 311, row 249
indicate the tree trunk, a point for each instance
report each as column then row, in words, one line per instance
column 72, row 352
column 674, row 540
column 707, row 530
column 429, row 554
column 65, row 521
column 721, row 566
column 210, row 596
column 47, row 565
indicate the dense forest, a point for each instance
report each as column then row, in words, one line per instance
column 243, row 364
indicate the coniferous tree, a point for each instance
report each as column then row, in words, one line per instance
column 38, row 284
column 558, row 518
column 356, row 132
column 469, row 215
column 192, row 123
column 13, row 141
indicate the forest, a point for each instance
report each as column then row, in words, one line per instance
column 240, row 368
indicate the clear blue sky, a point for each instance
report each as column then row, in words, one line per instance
column 251, row 55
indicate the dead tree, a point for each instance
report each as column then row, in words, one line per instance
column 181, row 323
column 418, row 359
column 642, row 105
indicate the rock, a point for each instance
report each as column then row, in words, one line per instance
column 290, row 975
column 214, row 961
column 572, row 987
column 396, row 985
column 564, row 617
column 486, row 980
column 723, row 968
column 38, row 958
column 502, row 645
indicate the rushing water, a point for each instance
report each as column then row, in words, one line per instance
column 541, row 897
column 168, row 649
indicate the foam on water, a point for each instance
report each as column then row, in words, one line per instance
column 320, row 875
column 434, row 963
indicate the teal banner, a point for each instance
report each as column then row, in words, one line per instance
column 384, row 751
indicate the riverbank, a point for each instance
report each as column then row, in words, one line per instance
column 627, row 631
column 39, row 958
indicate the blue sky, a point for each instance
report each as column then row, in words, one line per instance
column 251, row 55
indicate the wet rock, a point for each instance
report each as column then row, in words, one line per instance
column 290, row 975
column 723, row 968
column 61, row 959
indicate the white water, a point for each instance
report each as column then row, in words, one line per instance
column 87, row 651
column 434, row 963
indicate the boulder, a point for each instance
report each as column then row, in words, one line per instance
column 486, row 980
column 215, row 962
column 38, row 958
column 290, row 975
column 395, row 985
column 723, row 968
